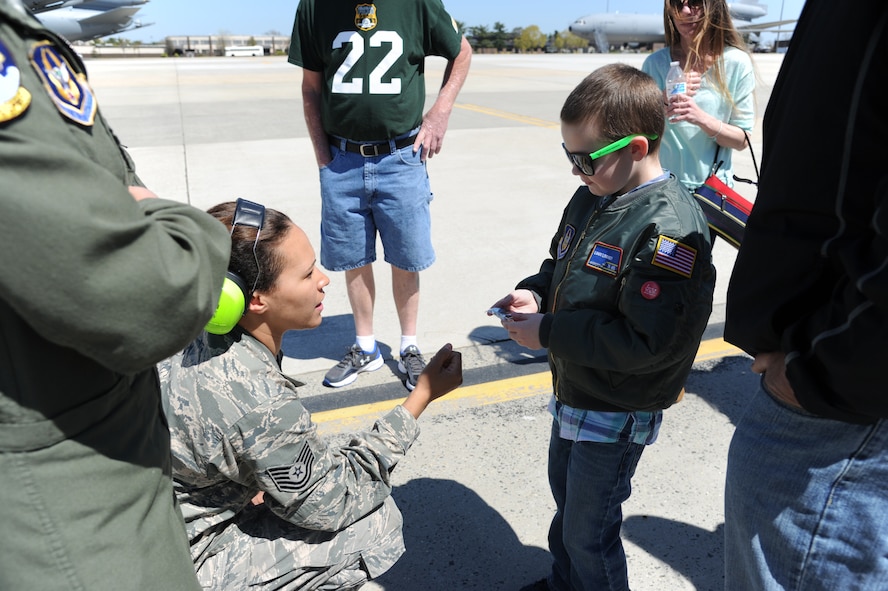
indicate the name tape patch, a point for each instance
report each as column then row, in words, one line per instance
column 605, row 258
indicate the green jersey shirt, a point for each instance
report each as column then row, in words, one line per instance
column 373, row 58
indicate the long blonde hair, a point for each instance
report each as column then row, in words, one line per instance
column 708, row 46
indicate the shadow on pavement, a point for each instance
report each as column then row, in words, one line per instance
column 497, row 343
column 457, row 542
column 725, row 384
column 696, row 553
column 330, row 340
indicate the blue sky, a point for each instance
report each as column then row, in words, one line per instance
column 211, row 17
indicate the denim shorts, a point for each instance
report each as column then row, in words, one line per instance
column 388, row 195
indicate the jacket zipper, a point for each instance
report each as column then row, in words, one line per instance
column 603, row 204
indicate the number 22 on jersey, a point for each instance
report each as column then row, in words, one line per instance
column 377, row 86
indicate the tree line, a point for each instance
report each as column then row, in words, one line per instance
column 520, row 39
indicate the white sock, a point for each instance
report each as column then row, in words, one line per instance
column 407, row 341
column 367, row 344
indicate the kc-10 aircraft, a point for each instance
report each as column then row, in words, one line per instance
column 615, row 29
column 84, row 20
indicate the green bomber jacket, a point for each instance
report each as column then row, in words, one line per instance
column 627, row 293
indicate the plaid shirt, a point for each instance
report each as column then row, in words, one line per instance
column 576, row 424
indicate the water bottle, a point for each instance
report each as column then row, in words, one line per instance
column 676, row 83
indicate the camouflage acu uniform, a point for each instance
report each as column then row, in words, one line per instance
column 238, row 427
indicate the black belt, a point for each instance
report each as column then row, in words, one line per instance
column 371, row 149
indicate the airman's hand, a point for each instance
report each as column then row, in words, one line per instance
column 441, row 375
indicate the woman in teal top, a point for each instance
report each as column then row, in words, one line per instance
column 718, row 106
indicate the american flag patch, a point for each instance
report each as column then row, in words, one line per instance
column 674, row 256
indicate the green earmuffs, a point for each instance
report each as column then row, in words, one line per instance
column 233, row 301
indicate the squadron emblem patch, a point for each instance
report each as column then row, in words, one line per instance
column 14, row 98
column 365, row 16
column 293, row 477
column 69, row 91
column 566, row 238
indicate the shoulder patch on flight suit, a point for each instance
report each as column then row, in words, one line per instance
column 293, row 477
column 675, row 256
column 14, row 98
column 69, row 91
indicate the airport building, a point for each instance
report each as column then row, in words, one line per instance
column 216, row 44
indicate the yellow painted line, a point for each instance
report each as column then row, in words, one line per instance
column 479, row 395
column 507, row 115
column 486, row 393
column 716, row 349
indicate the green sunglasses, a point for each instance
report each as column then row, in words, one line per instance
column 583, row 161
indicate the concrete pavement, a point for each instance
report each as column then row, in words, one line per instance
column 206, row 130
column 473, row 489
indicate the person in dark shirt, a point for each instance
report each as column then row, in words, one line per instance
column 805, row 502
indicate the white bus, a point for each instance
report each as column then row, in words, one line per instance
column 244, row 50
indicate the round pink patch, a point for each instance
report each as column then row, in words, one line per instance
column 650, row 290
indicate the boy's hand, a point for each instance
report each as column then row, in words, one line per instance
column 524, row 329
column 520, row 300
column 441, row 375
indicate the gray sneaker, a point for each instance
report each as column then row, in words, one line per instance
column 356, row 360
column 411, row 365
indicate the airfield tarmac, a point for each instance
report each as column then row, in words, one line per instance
column 473, row 489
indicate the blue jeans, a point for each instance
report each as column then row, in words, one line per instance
column 387, row 194
column 589, row 482
column 806, row 502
